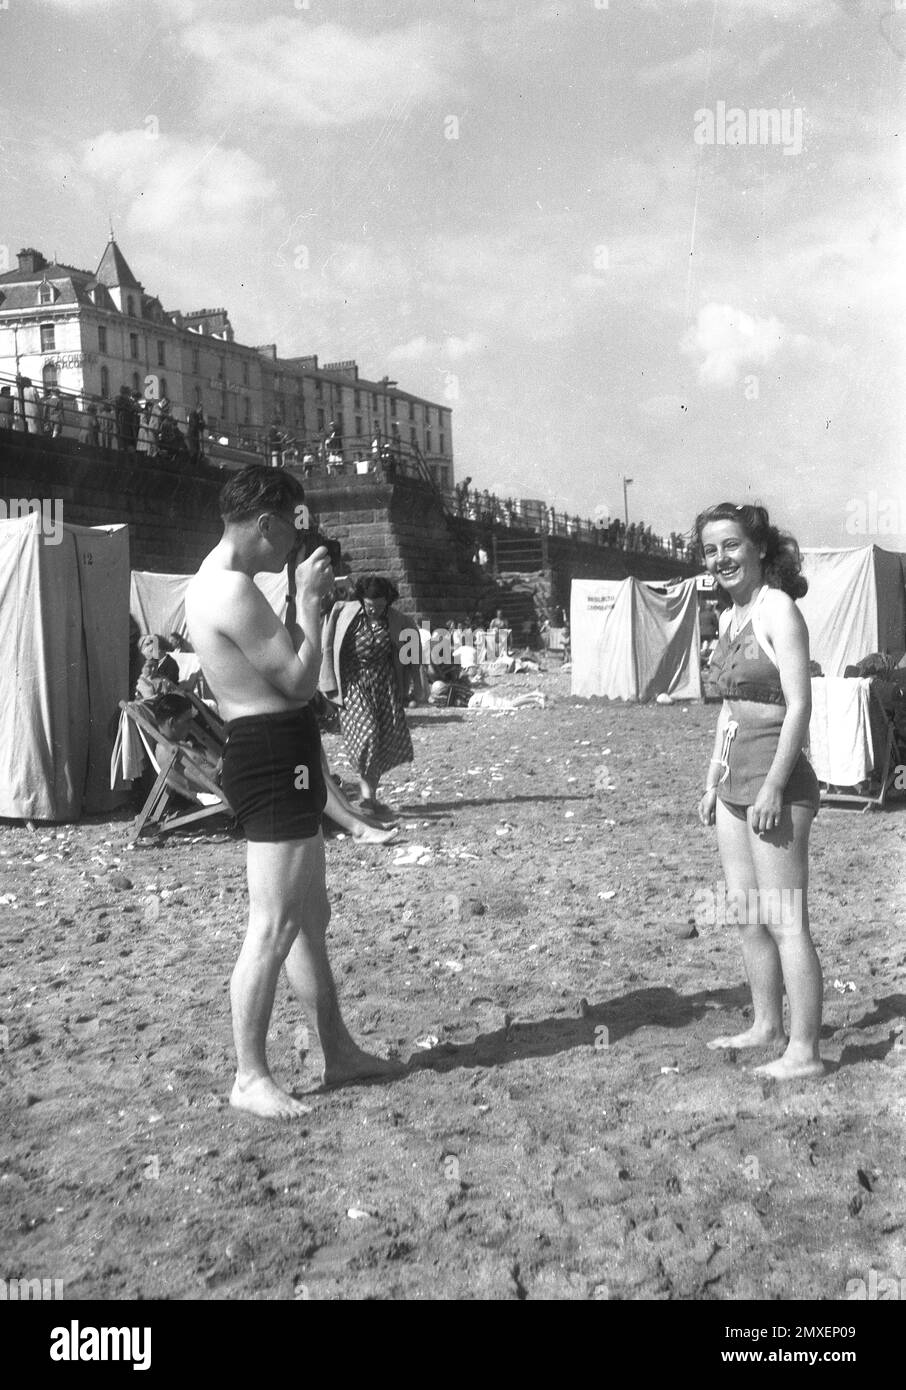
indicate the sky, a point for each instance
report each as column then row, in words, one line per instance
column 545, row 215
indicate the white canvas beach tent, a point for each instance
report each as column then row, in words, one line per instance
column 157, row 602
column 64, row 635
column 633, row 640
column 855, row 605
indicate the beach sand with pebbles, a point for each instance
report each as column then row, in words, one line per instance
column 562, row 1132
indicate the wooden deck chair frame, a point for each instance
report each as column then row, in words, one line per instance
column 154, row 811
column 885, row 773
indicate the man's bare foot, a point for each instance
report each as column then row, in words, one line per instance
column 787, row 1068
column 361, row 1066
column 374, row 834
column 753, row 1037
column 264, row 1097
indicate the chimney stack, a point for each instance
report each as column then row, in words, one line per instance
column 31, row 260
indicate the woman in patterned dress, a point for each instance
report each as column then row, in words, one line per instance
column 363, row 673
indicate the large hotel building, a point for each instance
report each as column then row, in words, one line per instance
column 88, row 333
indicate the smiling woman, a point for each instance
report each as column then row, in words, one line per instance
column 761, row 790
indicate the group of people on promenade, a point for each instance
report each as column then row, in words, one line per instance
column 760, row 791
column 486, row 507
column 329, row 456
column 130, row 424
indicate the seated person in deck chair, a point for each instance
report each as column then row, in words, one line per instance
column 448, row 684
column 159, row 672
column 175, row 715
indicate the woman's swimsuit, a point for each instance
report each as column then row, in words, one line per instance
column 744, row 674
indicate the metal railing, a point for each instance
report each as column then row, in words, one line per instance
column 518, row 514
column 120, row 425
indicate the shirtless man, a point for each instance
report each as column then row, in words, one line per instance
column 264, row 675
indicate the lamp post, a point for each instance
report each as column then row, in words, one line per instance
column 626, row 483
column 20, row 385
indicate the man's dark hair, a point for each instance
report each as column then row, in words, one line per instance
column 259, row 489
column 376, row 586
column 172, row 707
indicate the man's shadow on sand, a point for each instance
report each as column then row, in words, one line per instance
column 890, row 1009
column 642, row 1008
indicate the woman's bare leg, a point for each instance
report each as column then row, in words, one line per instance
column 781, row 866
column 759, row 950
column 342, row 812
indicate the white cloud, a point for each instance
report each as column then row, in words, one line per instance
column 690, row 67
column 453, row 349
column 701, row 63
column 196, row 220
column 727, row 339
column 176, row 189
column 290, row 72
column 782, row 11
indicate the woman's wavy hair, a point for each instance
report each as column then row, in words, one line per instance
column 376, row 586
column 782, row 563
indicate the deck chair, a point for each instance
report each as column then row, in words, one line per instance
column 173, row 761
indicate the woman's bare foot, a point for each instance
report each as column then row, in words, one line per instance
column 374, row 834
column 790, row 1066
column 262, row 1096
column 357, row 1065
column 753, row 1037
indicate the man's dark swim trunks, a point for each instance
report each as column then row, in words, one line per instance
column 272, row 775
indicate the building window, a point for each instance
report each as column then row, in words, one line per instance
column 198, row 395
column 47, row 337
column 319, row 390
column 136, row 386
column 320, row 422
column 196, row 361
column 246, row 409
column 375, row 406
column 412, row 410
column 340, row 430
column 45, row 294
column 130, row 306
column 280, row 406
column 428, row 448
column 221, row 369
column 245, row 373
column 413, row 436
column 163, row 386
column 133, row 344
column 105, row 381
column 102, row 338
column 161, row 353
column 357, row 398
column 358, row 426
column 50, row 376
column 443, row 443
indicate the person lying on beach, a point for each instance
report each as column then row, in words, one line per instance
column 486, row 699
